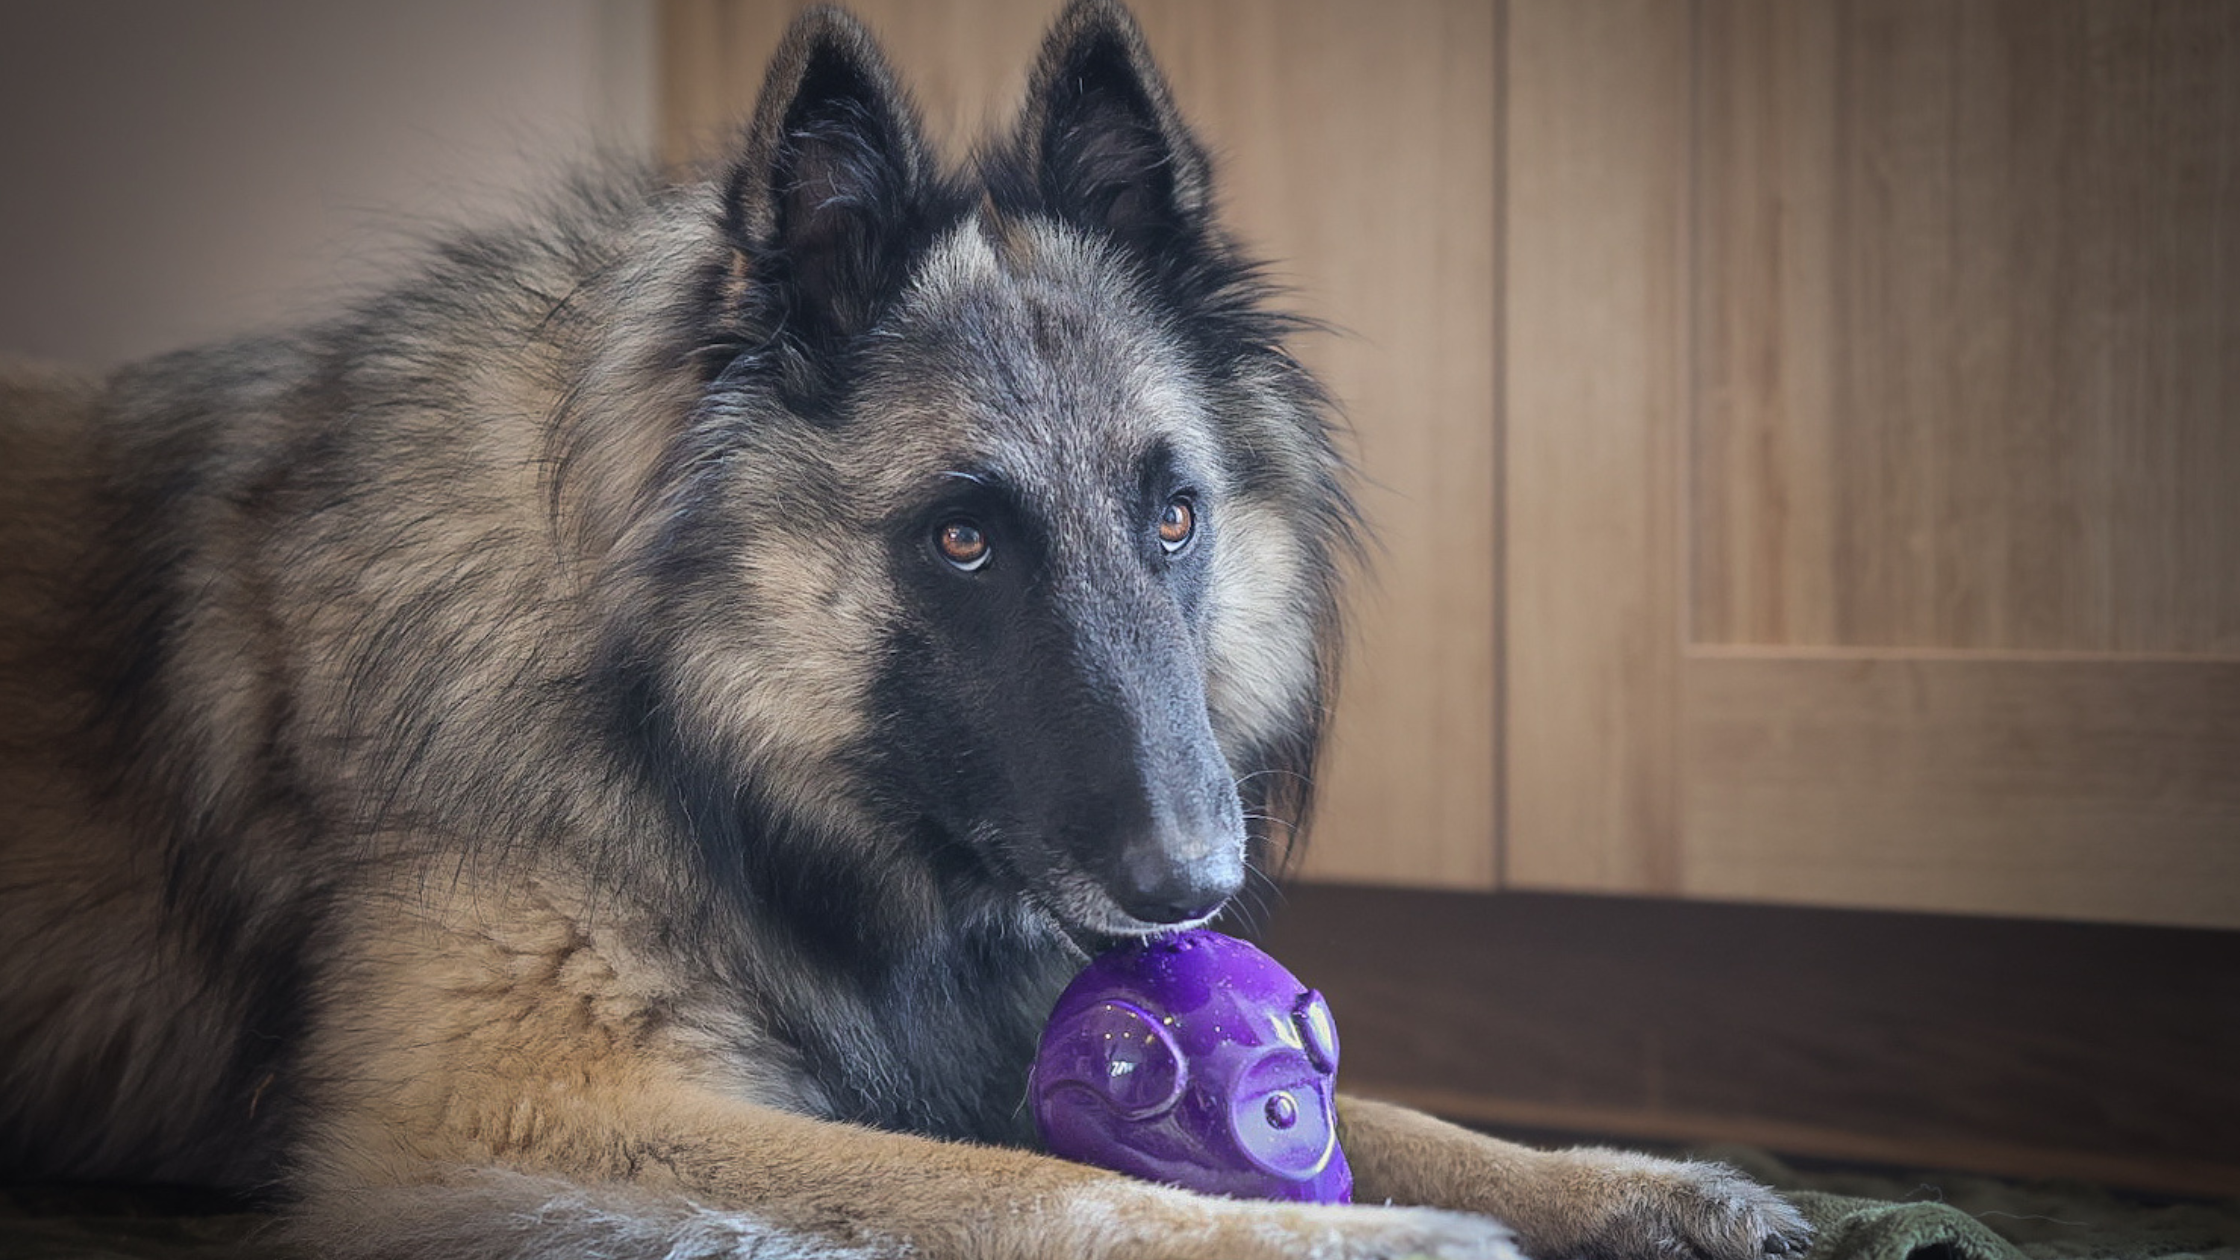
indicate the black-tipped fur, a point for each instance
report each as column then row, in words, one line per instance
column 832, row 198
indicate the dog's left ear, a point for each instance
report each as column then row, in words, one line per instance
column 828, row 200
column 1101, row 139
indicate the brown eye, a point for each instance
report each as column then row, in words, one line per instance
column 962, row 544
column 1176, row 524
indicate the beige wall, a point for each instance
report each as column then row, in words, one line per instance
column 173, row 173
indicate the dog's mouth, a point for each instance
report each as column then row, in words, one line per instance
column 1076, row 903
column 1042, row 879
column 1080, row 905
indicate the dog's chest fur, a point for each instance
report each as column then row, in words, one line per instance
column 941, row 1044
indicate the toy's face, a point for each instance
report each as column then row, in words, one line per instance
column 1213, row 1071
column 1280, row 1103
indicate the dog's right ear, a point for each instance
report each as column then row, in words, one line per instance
column 828, row 202
column 1101, row 143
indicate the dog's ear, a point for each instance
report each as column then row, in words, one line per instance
column 827, row 202
column 1101, row 139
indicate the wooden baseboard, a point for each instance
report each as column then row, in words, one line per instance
column 2087, row 1051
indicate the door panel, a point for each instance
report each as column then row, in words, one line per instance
column 1967, row 369
column 2009, row 784
column 1595, row 270
column 1935, row 604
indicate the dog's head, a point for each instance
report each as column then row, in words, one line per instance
column 1008, row 521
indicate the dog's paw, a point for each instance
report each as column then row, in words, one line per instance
column 1623, row 1206
column 1248, row 1230
column 1387, row 1233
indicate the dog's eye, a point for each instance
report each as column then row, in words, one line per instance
column 962, row 543
column 1176, row 524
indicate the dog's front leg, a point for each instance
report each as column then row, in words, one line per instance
column 921, row 1197
column 676, row 1173
column 496, row 1074
column 1582, row 1202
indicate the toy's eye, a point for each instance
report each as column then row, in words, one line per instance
column 1177, row 524
column 962, row 543
column 1317, row 1030
column 1124, row 1053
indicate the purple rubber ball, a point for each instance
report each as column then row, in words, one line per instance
column 1195, row 1060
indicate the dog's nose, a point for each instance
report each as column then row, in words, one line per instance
column 1154, row 887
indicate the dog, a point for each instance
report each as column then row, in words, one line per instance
column 613, row 746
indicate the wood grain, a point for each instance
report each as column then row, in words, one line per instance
column 1948, row 373
column 2019, row 1048
column 1595, row 363
column 1355, row 146
column 2085, row 789
column 1358, row 149
column 1761, row 441
column 1969, row 313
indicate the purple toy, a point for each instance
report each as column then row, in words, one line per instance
column 1196, row 1060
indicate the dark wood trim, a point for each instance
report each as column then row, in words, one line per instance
column 2020, row 1048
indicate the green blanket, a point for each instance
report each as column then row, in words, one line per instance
column 1955, row 1217
column 1858, row 1216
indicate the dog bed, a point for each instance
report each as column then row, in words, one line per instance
column 1859, row 1216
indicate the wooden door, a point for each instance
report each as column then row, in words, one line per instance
column 1873, row 454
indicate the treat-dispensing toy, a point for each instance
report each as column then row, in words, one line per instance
column 1195, row 1060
